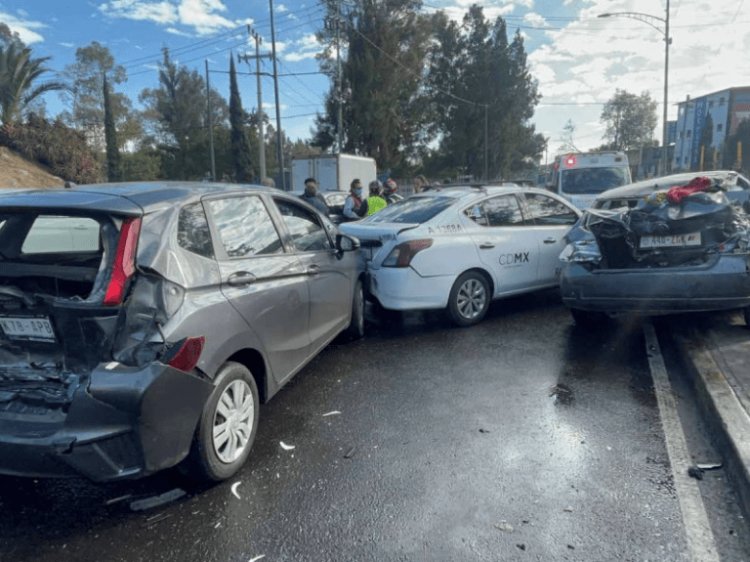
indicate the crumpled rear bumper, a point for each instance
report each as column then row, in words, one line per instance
column 121, row 423
column 721, row 284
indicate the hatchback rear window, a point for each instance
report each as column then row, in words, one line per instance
column 62, row 235
column 414, row 210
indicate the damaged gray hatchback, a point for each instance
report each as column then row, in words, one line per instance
column 679, row 250
column 141, row 325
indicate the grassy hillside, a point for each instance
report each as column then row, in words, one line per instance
column 16, row 171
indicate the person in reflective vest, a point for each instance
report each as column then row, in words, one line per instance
column 375, row 201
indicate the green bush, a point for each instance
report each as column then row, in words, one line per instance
column 53, row 144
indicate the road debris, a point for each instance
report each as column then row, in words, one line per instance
column 571, row 547
column 695, row 472
column 350, row 453
column 504, row 526
column 157, row 501
column 234, row 490
column 285, row 446
column 118, row 499
column 159, row 517
column 482, row 430
column 568, row 509
column 333, row 413
column 561, row 394
column 710, row 466
column 521, row 546
column 255, row 559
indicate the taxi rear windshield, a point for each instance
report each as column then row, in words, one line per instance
column 414, row 210
column 593, row 180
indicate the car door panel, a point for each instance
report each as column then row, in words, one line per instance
column 267, row 286
column 552, row 220
column 504, row 243
column 329, row 277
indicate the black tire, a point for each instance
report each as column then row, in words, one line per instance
column 587, row 318
column 746, row 315
column 203, row 462
column 463, row 313
column 356, row 329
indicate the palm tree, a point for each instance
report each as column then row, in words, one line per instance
column 18, row 74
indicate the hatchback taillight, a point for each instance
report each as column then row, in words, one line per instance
column 185, row 355
column 124, row 265
column 402, row 254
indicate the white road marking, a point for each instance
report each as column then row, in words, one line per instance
column 700, row 538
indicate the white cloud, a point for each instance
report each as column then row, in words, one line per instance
column 281, row 8
column 67, row 45
column 203, row 16
column 26, row 29
column 175, row 31
column 159, row 12
column 589, row 58
column 532, row 18
column 304, row 48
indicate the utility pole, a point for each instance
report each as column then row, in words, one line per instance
column 649, row 19
column 261, row 126
column 340, row 111
column 665, row 142
column 210, row 125
column 486, row 144
column 279, row 149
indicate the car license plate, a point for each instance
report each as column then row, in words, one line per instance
column 29, row 329
column 672, row 241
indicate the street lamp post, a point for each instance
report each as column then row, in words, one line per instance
column 649, row 19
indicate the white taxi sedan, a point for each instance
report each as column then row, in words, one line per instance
column 459, row 248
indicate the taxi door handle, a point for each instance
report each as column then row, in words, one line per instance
column 486, row 246
column 313, row 269
column 550, row 240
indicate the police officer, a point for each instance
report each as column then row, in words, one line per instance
column 312, row 196
column 375, row 201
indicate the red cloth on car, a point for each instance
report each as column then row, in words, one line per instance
column 679, row 192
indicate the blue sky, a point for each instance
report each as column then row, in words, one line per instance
column 578, row 59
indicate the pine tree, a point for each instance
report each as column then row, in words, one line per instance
column 240, row 145
column 110, row 135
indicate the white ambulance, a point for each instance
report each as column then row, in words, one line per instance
column 580, row 177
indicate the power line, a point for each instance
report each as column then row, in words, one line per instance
column 196, row 58
column 409, row 70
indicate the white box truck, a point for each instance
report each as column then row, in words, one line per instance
column 334, row 172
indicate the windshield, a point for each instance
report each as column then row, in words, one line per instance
column 593, row 180
column 415, row 210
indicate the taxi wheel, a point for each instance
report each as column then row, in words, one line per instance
column 356, row 329
column 227, row 427
column 469, row 299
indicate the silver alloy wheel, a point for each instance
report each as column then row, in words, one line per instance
column 471, row 299
column 233, row 421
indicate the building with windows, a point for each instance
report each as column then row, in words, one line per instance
column 727, row 109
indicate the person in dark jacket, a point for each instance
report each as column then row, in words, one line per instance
column 312, row 197
column 355, row 207
column 389, row 192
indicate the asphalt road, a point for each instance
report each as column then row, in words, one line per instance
column 523, row 438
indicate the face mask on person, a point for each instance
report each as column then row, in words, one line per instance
column 358, row 191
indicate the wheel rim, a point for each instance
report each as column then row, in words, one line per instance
column 471, row 299
column 233, row 421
